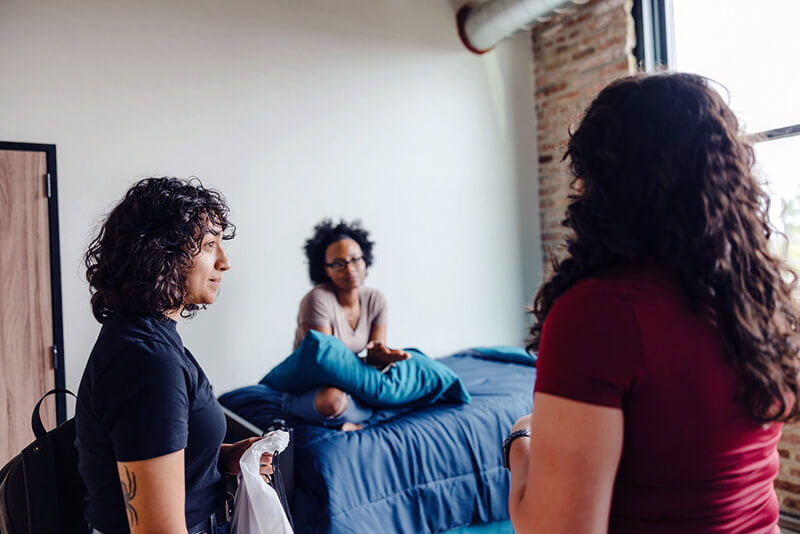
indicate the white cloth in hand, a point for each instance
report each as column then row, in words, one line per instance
column 257, row 508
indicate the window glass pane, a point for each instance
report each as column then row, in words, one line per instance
column 777, row 165
column 749, row 47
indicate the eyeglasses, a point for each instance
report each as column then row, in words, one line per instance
column 341, row 265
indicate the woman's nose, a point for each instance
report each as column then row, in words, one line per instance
column 222, row 260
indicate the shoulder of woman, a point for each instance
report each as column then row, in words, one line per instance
column 321, row 299
column 587, row 294
column 140, row 368
column 589, row 287
column 374, row 298
column 628, row 285
column 598, row 309
column 372, row 293
column 151, row 357
column 321, row 292
column 134, row 343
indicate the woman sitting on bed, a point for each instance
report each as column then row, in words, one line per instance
column 341, row 306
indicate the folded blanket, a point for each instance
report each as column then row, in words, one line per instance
column 506, row 354
column 325, row 360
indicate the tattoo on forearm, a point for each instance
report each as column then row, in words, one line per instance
column 128, row 493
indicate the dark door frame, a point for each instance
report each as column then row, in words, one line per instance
column 50, row 183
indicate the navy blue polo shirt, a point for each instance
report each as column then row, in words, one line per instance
column 143, row 395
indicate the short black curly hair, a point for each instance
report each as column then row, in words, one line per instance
column 325, row 234
column 140, row 258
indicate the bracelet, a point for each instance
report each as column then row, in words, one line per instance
column 509, row 440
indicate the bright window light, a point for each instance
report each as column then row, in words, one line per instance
column 751, row 49
column 777, row 164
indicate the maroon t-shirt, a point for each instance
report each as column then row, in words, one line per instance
column 692, row 460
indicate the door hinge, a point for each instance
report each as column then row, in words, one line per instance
column 48, row 188
column 55, row 356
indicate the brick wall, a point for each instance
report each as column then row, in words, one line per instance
column 788, row 483
column 575, row 55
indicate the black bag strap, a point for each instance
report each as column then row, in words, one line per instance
column 280, row 488
column 276, row 481
column 36, row 419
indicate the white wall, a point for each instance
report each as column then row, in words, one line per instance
column 295, row 110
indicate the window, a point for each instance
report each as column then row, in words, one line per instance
column 777, row 160
column 749, row 49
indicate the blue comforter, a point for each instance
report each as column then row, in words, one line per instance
column 424, row 471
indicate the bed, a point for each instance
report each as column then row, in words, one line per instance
column 423, row 471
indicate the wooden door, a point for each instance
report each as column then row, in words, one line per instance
column 26, row 318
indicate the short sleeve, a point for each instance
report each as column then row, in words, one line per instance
column 315, row 309
column 145, row 401
column 591, row 348
column 379, row 309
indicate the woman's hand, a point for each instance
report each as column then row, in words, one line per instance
column 379, row 354
column 265, row 467
column 230, row 454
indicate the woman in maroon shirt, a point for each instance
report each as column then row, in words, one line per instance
column 667, row 336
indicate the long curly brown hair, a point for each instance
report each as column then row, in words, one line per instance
column 661, row 174
column 140, row 258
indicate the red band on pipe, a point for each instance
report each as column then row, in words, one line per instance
column 461, row 19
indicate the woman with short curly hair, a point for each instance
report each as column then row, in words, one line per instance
column 338, row 258
column 667, row 336
column 149, row 429
column 340, row 305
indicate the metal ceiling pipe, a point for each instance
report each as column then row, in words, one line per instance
column 482, row 26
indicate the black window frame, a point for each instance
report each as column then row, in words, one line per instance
column 654, row 35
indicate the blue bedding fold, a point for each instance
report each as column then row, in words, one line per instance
column 325, row 360
column 506, row 354
column 425, row 471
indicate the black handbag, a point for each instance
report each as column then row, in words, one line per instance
column 41, row 490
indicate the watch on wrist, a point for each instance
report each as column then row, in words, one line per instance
column 509, row 440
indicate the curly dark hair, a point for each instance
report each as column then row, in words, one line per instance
column 139, row 260
column 325, row 234
column 660, row 174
